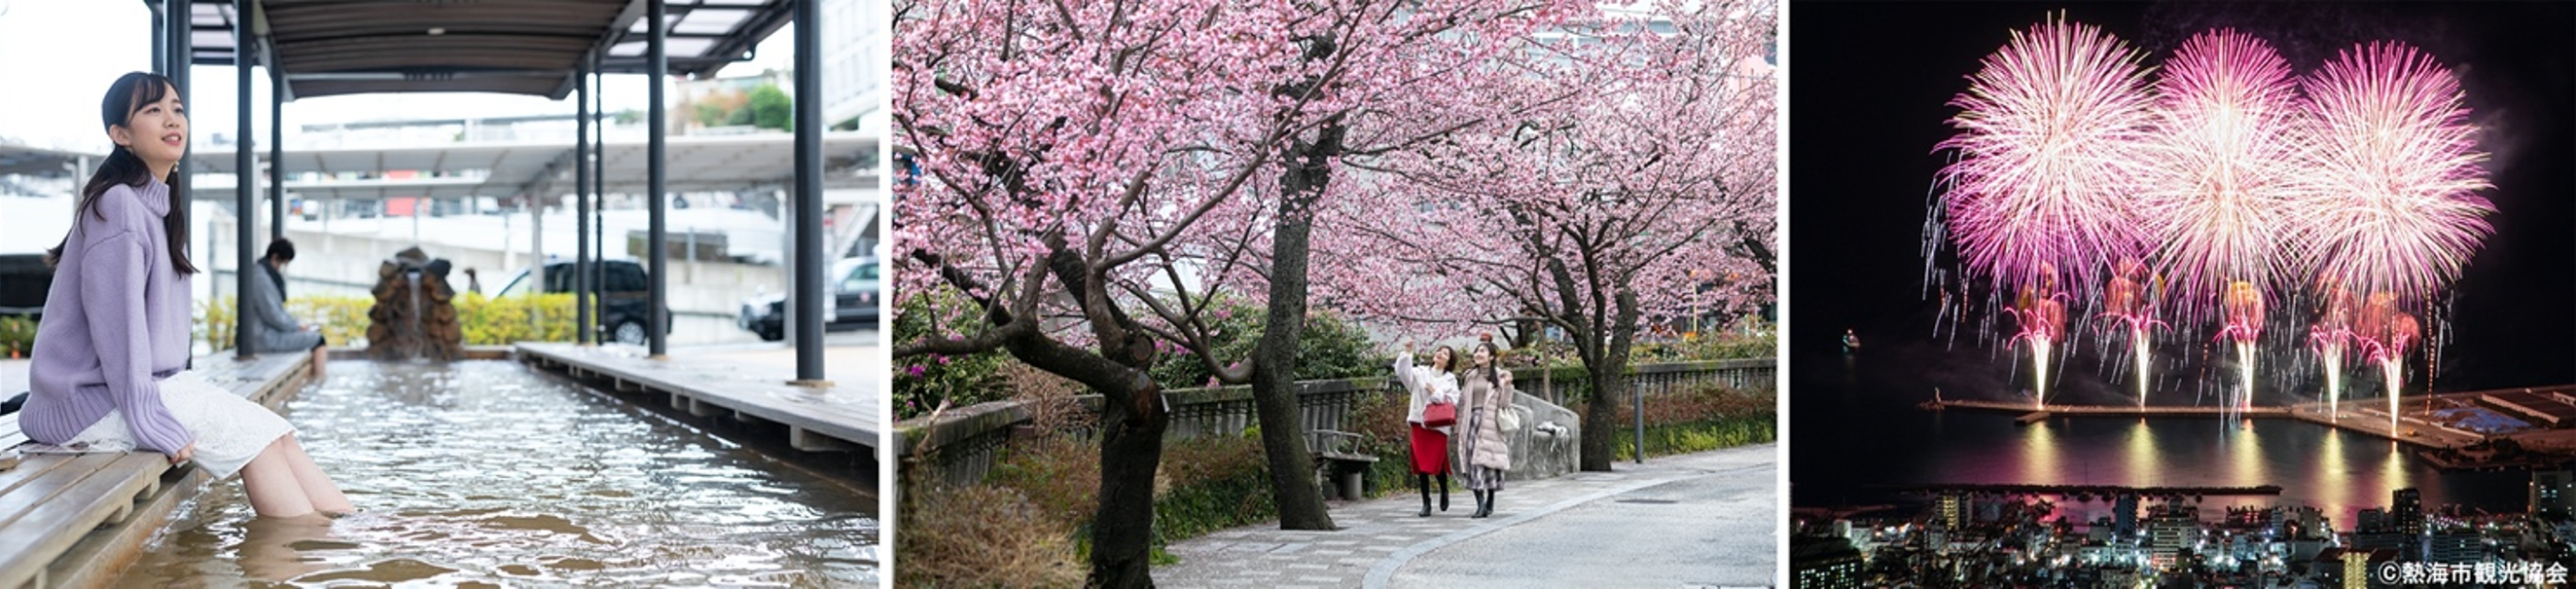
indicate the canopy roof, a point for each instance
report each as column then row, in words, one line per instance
column 695, row 163
column 534, row 47
column 39, row 161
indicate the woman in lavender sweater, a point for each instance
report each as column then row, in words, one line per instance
column 107, row 368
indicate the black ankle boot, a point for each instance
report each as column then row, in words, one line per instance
column 1480, row 504
column 1444, row 494
column 1487, row 510
column 1426, row 502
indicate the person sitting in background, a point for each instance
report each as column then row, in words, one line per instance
column 272, row 331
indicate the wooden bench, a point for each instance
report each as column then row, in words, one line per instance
column 1339, row 465
column 836, row 419
column 77, row 519
column 50, row 501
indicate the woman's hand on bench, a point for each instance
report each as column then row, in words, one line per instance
column 184, row 454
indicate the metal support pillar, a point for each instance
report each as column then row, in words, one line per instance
column 599, row 197
column 246, row 170
column 276, row 153
column 581, row 205
column 807, row 290
column 181, row 51
column 658, row 71
column 160, row 36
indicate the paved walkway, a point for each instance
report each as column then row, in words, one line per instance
column 1699, row 520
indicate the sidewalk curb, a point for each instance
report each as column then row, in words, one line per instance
column 1384, row 571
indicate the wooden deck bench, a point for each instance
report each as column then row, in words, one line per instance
column 1339, row 465
column 51, row 501
column 77, row 519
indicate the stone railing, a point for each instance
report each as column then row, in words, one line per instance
column 1555, row 383
column 966, row 439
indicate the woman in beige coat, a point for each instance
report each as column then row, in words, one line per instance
column 1487, row 391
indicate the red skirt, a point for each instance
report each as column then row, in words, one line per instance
column 1430, row 450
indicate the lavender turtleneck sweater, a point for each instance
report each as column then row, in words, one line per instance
column 116, row 322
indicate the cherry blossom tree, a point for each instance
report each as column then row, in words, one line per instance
column 1095, row 176
column 1634, row 186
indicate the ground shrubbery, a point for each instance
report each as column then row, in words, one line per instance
column 1210, row 484
column 517, row 318
column 343, row 319
column 1700, row 419
column 1050, row 480
column 17, row 336
column 982, row 536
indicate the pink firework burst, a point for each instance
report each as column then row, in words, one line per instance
column 2390, row 184
column 2218, row 186
column 2050, row 131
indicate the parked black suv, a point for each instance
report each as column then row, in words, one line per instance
column 854, row 285
column 622, row 287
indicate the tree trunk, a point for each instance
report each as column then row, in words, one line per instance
column 1601, row 416
column 1274, row 357
column 1607, row 369
column 1132, row 422
column 1131, row 448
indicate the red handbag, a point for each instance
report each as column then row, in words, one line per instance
column 1439, row 414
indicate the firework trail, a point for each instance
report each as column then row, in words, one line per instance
column 2050, row 131
column 2332, row 337
column 2128, row 302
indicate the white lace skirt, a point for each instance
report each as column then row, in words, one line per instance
column 230, row 430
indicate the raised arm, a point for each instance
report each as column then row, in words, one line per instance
column 113, row 274
column 1405, row 373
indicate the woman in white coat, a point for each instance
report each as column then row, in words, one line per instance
column 1424, row 386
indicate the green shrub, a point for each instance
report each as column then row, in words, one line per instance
column 486, row 322
column 1699, row 404
column 343, row 319
column 1703, row 418
column 1684, row 438
column 215, row 323
column 921, row 382
column 1059, row 474
column 516, row 318
column 1329, row 347
column 1203, row 485
column 1211, row 483
column 17, row 336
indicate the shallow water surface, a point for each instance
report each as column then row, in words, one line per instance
column 486, row 473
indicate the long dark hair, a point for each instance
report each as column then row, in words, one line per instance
column 1493, row 363
column 131, row 92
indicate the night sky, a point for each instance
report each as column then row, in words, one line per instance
column 1869, row 88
